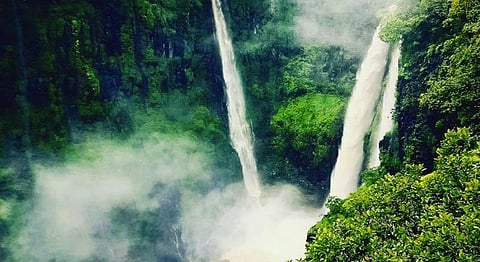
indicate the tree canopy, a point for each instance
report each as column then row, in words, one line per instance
column 409, row 215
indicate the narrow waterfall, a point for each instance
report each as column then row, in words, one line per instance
column 358, row 118
column 240, row 133
column 386, row 111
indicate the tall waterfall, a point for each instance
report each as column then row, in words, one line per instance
column 240, row 133
column 360, row 110
column 386, row 111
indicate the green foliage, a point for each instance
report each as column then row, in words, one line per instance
column 265, row 42
column 326, row 69
column 246, row 16
column 454, row 88
column 400, row 22
column 389, row 148
column 409, row 216
column 306, row 121
column 276, row 70
column 438, row 84
column 370, row 176
column 418, row 131
column 81, row 55
column 99, row 65
column 304, row 130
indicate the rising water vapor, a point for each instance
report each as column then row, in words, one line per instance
column 225, row 225
column 346, row 23
column 71, row 216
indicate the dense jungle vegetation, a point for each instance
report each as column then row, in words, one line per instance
column 429, row 210
column 121, row 67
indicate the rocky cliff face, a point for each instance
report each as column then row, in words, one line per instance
column 79, row 56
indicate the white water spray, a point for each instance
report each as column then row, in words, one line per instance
column 388, row 106
column 359, row 115
column 240, row 133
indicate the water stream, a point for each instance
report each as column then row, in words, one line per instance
column 358, row 118
column 386, row 110
column 240, row 132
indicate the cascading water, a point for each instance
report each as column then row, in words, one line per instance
column 359, row 115
column 388, row 105
column 240, row 133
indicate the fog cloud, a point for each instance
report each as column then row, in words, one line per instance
column 229, row 225
column 347, row 23
column 78, row 205
column 70, row 217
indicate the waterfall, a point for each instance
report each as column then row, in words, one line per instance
column 359, row 115
column 386, row 111
column 240, row 133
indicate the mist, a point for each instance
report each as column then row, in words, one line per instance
column 153, row 199
column 346, row 23
column 74, row 204
column 231, row 226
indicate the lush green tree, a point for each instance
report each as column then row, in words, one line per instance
column 454, row 90
column 409, row 216
column 438, row 83
column 304, row 130
column 326, row 69
column 421, row 30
